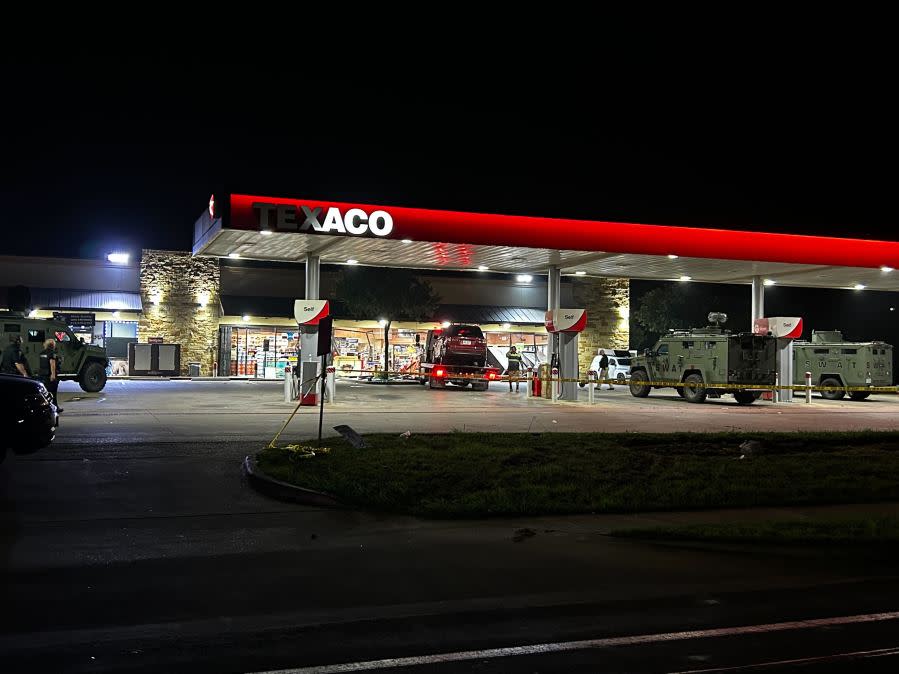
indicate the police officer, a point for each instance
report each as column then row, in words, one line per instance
column 514, row 366
column 49, row 372
column 13, row 359
column 604, row 369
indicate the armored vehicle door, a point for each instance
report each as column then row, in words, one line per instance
column 663, row 363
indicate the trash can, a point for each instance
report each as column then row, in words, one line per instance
column 193, row 369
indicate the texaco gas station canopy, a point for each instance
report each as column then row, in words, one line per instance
column 293, row 230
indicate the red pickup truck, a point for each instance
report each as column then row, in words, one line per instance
column 457, row 354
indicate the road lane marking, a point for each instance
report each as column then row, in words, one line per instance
column 879, row 653
column 563, row 646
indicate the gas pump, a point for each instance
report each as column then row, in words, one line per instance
column 785, row 329
column 308, row 314
column 564, row 326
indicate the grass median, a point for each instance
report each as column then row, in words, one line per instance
column 491, row 474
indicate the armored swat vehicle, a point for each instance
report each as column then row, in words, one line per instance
column 701, row 358
column 836, row 363
column 85, row 363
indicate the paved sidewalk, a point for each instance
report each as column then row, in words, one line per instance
column 605, row 523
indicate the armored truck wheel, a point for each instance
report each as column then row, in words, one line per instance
column 859, row 395
column 639, row 389
column 830, row 382
column 93, row 377
column 694, row 390
column 746, row 397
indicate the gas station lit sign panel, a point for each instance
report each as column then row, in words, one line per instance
column 302, row 218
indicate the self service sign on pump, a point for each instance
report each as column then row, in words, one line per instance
column 310, row 312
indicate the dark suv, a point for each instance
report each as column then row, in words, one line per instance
column 28, row 417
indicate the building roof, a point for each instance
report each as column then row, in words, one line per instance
column 269, row 228
column 88, row 300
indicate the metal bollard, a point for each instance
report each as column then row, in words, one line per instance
column 530, row 382
column 776, row 387
column 591, row 383
column 555, row 383
column 330, row 383
column 808, row 387
column 289, row 385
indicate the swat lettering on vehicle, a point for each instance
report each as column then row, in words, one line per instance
column 835, row 362
column 355, row 222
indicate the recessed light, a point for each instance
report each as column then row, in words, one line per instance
column 506, row 326
column 118, row 258
column 770, row 282
column 245, row 318
column 672, row 257
column 892, row 308
column 483, row 267
column 382, row 322
column 233, row 255
column 580, row 273
column 859, row 286
column 685, row 278
column 116, row 314
column 32, row 313
column 265, row 232
column 352, row 261
column 445, row 324
column 524, row 278
column 407, row 240
column 886, row 269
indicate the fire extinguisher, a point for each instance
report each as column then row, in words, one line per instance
column 537, row 385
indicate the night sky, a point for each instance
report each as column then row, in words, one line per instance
column 99, row 156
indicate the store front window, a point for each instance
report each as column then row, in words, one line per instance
column 263, row 352
column 361, row 351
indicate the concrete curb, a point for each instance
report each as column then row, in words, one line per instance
column 284, row 491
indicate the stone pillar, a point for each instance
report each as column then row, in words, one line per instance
column 180, row 294
column 607, row 301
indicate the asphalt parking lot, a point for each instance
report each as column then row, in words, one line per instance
column 177, row 410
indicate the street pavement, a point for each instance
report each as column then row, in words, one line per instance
column 139, row 410
column 144, row 550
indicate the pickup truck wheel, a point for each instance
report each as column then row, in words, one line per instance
column 859, row 395
column 694, row 389
column 832, row 395
column 93, row 378
column 638, row 388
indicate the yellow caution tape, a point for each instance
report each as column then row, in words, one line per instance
column 655, row 383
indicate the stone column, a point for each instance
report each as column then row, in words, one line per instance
column 180, row 295
column 607, row 301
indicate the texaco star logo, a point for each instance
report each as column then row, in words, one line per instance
column 211, row 205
